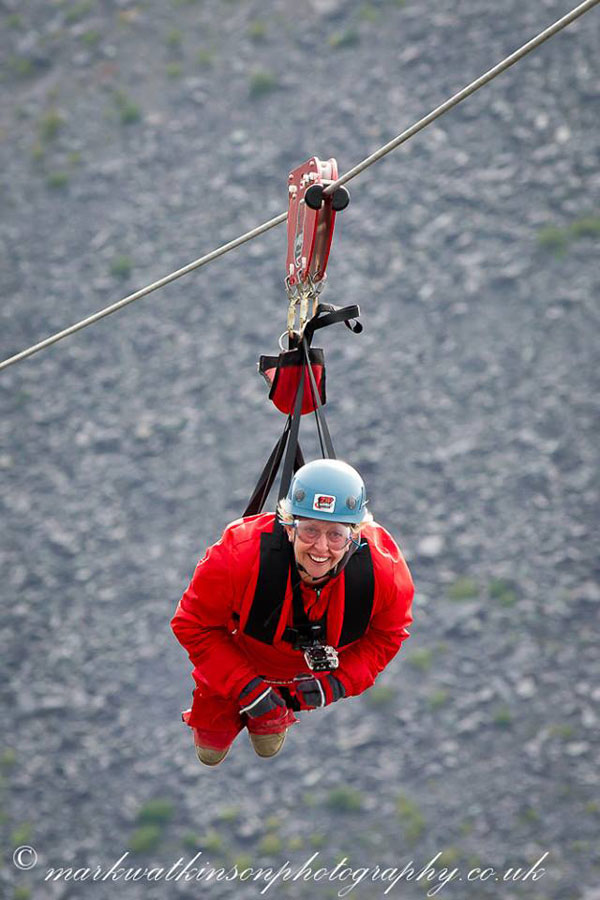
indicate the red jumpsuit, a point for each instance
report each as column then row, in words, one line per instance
column 225, row 659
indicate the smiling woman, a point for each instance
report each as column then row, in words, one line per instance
column 291, row 611
column 320, row 536
column 317, row 549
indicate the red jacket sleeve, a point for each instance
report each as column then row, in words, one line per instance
column 361, row 662
column 201, row 621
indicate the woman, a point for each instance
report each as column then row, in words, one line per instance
column 291, row 611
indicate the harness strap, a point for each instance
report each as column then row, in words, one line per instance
column 290, row 455
column 273, row 573
column 328, row 314
column 267, row 476
column 302, row 626
column 277, row 567
column 360, row 590
column 324, row 435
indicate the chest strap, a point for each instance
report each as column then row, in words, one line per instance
column 276, row 560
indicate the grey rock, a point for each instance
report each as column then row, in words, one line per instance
column 431, row 546
column 468, row 399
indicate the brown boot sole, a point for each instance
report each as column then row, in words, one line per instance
column 210, row 757
column 267, row 745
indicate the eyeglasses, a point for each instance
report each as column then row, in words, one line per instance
column 337, row 536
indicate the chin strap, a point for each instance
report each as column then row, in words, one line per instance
column 339, row 567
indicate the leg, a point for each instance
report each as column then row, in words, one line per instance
column 216, row 722
column 267, row 734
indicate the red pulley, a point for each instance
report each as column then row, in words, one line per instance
column 311, row 219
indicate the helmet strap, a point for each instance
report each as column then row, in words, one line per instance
column 333, row 572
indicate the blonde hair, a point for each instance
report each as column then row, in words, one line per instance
column 285, row 516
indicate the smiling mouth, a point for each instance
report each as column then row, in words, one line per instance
column 319, row 560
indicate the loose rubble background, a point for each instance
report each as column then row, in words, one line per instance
column 136, row 136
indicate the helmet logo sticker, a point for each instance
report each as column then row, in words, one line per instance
column 324, row 502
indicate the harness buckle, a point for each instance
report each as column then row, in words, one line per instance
column 304, row 635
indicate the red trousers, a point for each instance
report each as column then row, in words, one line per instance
column 216, row 721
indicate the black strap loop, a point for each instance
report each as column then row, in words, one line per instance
column 319, row 414
column 268, row 474
column 290, row 454
column 327, row 314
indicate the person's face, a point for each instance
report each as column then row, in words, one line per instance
column 313, row 548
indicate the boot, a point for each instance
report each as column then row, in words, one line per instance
column 266, row 745
column 211, row 757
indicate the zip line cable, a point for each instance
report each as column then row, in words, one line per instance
column 351, row 173
column 466, row 92
column 146, row 290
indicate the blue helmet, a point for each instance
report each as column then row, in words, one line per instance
column 327, row 489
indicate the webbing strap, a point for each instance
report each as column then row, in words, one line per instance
column 290, row 454
column 300, row 617
column 360, row 590
column 277, row 567
column 267, row 476
column 319, row 414
column 328, row 314
column 269, row 595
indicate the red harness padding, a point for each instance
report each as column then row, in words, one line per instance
column 283, row 373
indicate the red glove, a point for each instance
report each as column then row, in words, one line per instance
column 265, row 708
column 313, row 693
column 258, row 698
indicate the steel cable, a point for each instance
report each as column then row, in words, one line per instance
column 343, row 179
column 202, row 261
column 462, row 95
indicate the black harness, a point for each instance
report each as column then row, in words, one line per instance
column 277, row 566
column 277, row 562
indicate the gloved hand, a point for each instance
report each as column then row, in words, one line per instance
column 258, row 698
column 266, row 709
column 313, row 693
